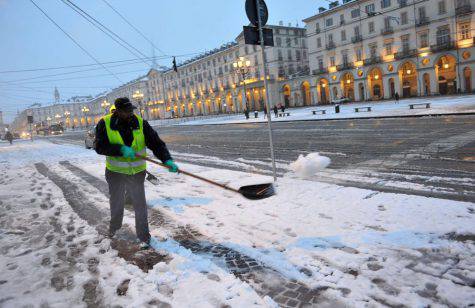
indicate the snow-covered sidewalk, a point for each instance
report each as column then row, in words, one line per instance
column 439, row 105
column 352, row 246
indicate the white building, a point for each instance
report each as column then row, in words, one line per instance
column 367, row 49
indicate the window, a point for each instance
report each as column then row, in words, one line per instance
column 317, row 27
column 304, row 55
column 330, row 38
column 329, row 22
column 369, row 8
column 289, row 55
column 403, row 18
column 424, row 39
column 373, row 50
column 288, row 42
column 402, row 3
column 342, row 19
column 246, row 50
column 332, row 61
column 465, row 31
column 320, row 63
column 319, row 42
column 297, row 55
column 389, row 48
column 385, row 3
column 387, row 22
column 357, row 31
column 355, row 13
column 343, row 35
column 442, row 9
column 359, row 55
column 296, row 41
column 405, row 43
column 279, row 55
column 344, row 58
column 443, row 35
column 371, row 27
column 278, row 41
column 422, row 13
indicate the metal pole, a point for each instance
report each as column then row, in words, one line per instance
column 244, row 97
column 266, row 87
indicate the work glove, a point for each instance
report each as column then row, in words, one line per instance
column 127, row 152
column 171, row 165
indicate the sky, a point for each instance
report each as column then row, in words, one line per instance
column 181, row 28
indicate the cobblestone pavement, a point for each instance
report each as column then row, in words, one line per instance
column 265, row 280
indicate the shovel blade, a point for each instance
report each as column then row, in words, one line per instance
column 152, row 179
column 257, row 192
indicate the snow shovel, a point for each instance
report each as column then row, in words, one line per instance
column 252, row 192
column 151, row 178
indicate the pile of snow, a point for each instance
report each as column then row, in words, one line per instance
column 308, row 166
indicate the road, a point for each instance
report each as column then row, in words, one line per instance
column 428, row 156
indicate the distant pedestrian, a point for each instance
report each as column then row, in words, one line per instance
column 396, row 96
column 282, row 108
column 9, row 137
column 246, row 113
column 276, row 111
column 265, row 111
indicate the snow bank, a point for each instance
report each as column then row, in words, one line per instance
column 308, row 166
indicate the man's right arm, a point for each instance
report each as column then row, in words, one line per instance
column 102, row 144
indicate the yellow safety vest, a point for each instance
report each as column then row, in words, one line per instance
column 124, row 165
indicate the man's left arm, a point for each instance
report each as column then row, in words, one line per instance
column 154, row 143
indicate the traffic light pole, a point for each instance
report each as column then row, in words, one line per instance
column 266, row 87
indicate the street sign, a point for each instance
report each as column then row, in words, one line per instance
column 251, row 12
column 251, row 36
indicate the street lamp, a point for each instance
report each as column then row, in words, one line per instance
column 49, row 120
column 242, row 68
column 57, row 116
column 85, row 110
column 138, row 96
column 104, row 105
column 66, row 115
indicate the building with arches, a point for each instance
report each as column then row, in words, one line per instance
column 371, row 50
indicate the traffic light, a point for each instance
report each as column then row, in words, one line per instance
column 174, row 65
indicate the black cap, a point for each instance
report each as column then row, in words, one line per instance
column 123, row 103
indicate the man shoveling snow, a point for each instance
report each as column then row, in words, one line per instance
column 308, row 166
column 120, row 136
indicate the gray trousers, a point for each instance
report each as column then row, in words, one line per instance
column 134, row 185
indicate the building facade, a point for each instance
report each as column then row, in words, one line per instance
column 371, row 50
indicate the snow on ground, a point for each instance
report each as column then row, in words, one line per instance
column 380, row 248
column 439, row 105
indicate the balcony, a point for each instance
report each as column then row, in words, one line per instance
column 463, row 9
column 319, row 71
column 387, row 30
column 442, row 46
column 330, row 46
column 422, row 21
column 407, row 53
column 356, row 39
column 372, row 60
column 344, row 66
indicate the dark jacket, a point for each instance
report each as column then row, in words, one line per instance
column 152, row 140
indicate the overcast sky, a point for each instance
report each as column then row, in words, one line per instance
column 179, row 27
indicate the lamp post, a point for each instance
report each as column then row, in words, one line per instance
column 49, row 121
column 66, row 115
column 242, row 68
column 57, row 116
column 85, row 110
column 138, row 96
column 104, row 105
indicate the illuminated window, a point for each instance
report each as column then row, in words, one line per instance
column 465, row 31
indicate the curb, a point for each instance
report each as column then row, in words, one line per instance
column 352, row 118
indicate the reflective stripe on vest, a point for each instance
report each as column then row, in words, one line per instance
column 120, row 164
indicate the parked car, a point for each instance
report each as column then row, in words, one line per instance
column 90, row 138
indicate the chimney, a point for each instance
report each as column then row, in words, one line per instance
column 281, row 23
column 321, row 9
column 333, row 4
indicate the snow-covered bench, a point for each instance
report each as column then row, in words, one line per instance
column 366, row 108
column 427, row 105
column 319, row 111
column 283, row 114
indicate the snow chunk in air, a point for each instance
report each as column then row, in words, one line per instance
column 307, row 166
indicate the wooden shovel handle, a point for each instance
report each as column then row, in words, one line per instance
column 190, row 174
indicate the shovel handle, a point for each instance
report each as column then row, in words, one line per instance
column 190, row 174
